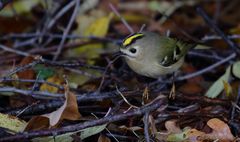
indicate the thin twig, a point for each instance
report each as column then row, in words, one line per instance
column 146, row 126
column 40, row 60
column 31, row 81
column 36, row 94
column 203, row 55
column 214, row 37
column 60, row 13
column 70, row 65
column 83, row 97
column 56, row 36
column 122, row 19
column 155, row 104
column 24, row 67
column 66, row 31
column 235, row 105
column 18, row 52
column 105, row 72
column 207, row 69
column 124, row 98
column 218, row 30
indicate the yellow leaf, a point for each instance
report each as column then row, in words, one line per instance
column 227, row 88
column 20, row 7
column 48, row 88
column 12, row 123
column 99, row 27
column 236, row 30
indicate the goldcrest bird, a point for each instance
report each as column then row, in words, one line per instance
column 152, row 55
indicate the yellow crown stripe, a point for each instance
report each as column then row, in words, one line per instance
column 130, row 39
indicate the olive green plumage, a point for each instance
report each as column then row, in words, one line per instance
column 151, row 55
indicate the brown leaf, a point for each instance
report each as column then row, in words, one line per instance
column 37, row 123
column 220, row 131
column 195, row 136
column 152, row 125
column 103, row 138
column 172, row 127
column 69, row 111
column 145, row 96
column 29, row 73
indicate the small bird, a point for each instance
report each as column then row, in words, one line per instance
column 152, row 55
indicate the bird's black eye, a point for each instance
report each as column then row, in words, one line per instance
column 132, row 50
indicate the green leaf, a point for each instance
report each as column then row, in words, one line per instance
column 20, row 7
column 200, row 46
column 12, row 123
column 60, row 138
column 218, row 86
column 43, row 72
column 92, row 131
column 67, row 137
column 177, row 137
column 236, row 69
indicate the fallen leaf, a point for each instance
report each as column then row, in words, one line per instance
column 194, row 135
column 68, row 111
column 172, row 127
column 37, row 123
column 59, row 138
column 92, row 131
column 28, row 73
column 145, row 95
column 134, row 128
column 236, row 69
column 43, row 71
column 20, row 7
column 12, row 123
column 177, row 137
column 227, row 88
column 103, row 138
column 98, row 27
column 218, row 85
column 56, row 80
column 220, row 131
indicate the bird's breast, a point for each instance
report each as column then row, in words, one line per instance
column 152, row 69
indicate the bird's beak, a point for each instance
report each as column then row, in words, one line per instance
column 119, row 53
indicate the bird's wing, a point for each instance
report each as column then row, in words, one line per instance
column 172, row 50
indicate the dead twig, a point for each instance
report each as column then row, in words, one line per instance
column 155, row 104
column 18, row 52
column 207, row 69
column 35, row 94
column 66, row 31
column 146, row 126
column 212, row 25
column 31, row 81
